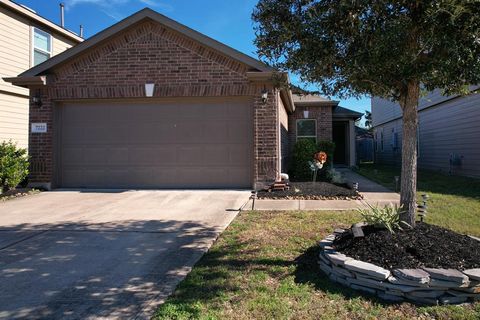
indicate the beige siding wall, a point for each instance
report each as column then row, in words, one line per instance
column 385, row 110
column 283, row 115
column 284, row 139
column 14, row 49
column 15, row 58
column 449, row 128
column 14, row 119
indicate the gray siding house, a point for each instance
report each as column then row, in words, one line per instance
column 448, row 135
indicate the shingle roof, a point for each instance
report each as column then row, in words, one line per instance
column 341, row 112
column 312, row 99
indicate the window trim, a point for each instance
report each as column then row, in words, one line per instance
column 33, row 48
column 296, row 129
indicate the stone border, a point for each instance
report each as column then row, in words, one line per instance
column 425, row 286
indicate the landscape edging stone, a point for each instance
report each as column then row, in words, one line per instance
column 430, row 288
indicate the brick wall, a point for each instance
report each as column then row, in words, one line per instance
column 179, row 67
column 266, row 138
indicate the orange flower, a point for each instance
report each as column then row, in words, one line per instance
column 321, row 157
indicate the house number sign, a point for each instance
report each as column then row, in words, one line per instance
column 39, row 127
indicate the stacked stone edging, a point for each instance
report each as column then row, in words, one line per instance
column 423, row 286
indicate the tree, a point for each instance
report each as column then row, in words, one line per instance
column 368, row 119
column 390, row 49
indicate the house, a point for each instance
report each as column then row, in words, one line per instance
column 448, row 136
column 27, row 39
column 151, row 103
column 364, row 144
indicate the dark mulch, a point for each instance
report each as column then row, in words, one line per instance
column 312, row 191
column 424, row 246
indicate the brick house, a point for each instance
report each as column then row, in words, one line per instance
column 151, row 103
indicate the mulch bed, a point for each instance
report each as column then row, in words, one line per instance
column 312, row 191
column 424, row 246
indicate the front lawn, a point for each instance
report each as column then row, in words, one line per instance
column 264, row 266
column 454, row 201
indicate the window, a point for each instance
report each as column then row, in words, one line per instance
column 307, row 129
column 42, row 46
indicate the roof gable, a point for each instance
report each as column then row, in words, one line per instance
column 134, row 19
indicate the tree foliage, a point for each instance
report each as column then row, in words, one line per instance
column 372, row 47
column 384, row 48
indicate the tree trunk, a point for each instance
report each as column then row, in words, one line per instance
column 408, row 187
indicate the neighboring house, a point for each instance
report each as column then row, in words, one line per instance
column 151, row 103
column 448, row 135
column 27, row 39
column 364, row 144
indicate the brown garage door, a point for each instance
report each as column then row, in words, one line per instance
column 179, row 144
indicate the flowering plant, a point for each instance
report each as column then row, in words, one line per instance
column 320, row 159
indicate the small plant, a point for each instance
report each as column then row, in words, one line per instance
column 387, row 217
column 335, row 177
column 13, row 165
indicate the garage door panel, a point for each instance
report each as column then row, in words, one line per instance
column 189, row 155
column 187, row 131
column 118, row 156
column 73, row 155
column 157, row 145
column 73, row 177
column 216, row 131
column 235, row 129
column 165, row 155
column 239, row 155
column 95, row 155
column 216, row 155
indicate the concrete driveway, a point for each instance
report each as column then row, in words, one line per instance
column 104, row 254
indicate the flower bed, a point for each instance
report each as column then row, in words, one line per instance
column 424, row 285
column 312, row 191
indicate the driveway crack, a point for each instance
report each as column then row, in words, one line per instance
column 23, row 239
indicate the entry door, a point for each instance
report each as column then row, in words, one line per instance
column 339, row 134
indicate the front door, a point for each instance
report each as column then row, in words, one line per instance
column 339, row 135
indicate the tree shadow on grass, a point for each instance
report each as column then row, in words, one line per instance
column 307, row 271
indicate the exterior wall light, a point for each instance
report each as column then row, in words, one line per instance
column 149, row 89
column 37, row 100
column 305, row 114
column 264, row 96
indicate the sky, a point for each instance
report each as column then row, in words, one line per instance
column 227, row 21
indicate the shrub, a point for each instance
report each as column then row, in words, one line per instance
column 329, row 148
column 334, row 176
column 13, row 165
column 387, row 217
column 303, row 152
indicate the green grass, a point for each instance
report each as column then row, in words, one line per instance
column 454, row 201
column 264, row 266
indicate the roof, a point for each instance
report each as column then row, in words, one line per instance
column 341, row 112
column 133, row 19
column 312, row 100
column 31, row 15
column 361, row 131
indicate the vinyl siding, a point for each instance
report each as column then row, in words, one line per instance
column 14, row 119
column 384, row 110
column 15, row 58
column 445, row 129
column 284, row 143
